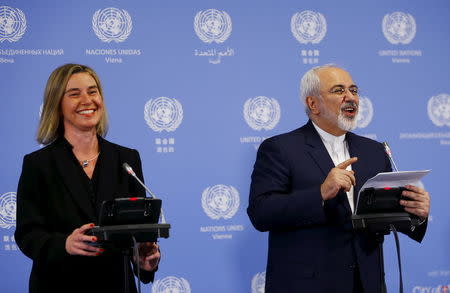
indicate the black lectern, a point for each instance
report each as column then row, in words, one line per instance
column 379, row 208
column 123, row 222
column 121, row 219
column 122, row 235
column 378, row 211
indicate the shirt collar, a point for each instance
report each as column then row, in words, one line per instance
column 328, row 137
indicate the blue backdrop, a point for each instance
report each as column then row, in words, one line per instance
column 195, row 86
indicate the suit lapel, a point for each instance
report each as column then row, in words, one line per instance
column 109, row 165
column 317, row 149
column 72, row 179
column 361, row 165
column 321, row 156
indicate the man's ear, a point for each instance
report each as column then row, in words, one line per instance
column 313, row 104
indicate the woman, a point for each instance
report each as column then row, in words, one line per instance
column 63, row 184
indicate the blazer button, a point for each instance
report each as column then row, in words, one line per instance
column 352, row 266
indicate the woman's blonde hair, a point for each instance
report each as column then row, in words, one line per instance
column 50, row 124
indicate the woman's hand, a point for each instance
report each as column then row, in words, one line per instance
column 80, row 244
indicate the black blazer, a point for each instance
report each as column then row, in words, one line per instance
column 52, row 201
column 312, row 247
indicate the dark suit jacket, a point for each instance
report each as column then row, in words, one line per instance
column 312, row 247
column 52, row 201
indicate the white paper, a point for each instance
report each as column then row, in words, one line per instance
column 393, row 179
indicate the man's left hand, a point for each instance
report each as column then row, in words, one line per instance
column 419, row 203
column 149, row 256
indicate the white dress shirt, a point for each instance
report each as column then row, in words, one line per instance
column 337, row 148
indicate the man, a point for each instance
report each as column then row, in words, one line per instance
column 304, row 188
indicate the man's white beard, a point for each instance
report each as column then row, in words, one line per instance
column 346, row 123
column 343, row 122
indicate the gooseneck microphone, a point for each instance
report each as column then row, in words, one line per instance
column 130, row 171
column 387, row 149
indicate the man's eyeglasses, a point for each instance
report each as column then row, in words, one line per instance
column 339, row 91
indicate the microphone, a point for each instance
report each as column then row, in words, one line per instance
column 130, row 171
column 387, row 149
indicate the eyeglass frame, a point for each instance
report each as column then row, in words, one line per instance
column 339, row 90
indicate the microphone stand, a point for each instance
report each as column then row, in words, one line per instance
column 379, row 238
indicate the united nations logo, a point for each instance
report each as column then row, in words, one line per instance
column 212, row 25
column 112, row 24
column 12, row 24
column 259, row 283
column 8, row 210
column 365, row 112
column 399, row 28
column 163, row 114
column 171, row 284
column 262, row 113
column 220, row 201
column 308, row 27
column 439, row 109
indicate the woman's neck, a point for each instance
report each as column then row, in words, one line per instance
column 84, row 143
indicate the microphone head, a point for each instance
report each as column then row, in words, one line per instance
column 128, row 169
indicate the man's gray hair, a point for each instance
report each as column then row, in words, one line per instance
column 310, row 84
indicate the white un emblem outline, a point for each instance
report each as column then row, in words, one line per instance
column 163, row 114
column 308, row 27
column 399, row 27
column 12, row 24
column 220, row 201
column 8, row 207
column 439, row 109
column 112, row 24
column 262, row 113
column 212, row 25
column 365, row 112
column 171, row 284
column 259, row 283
